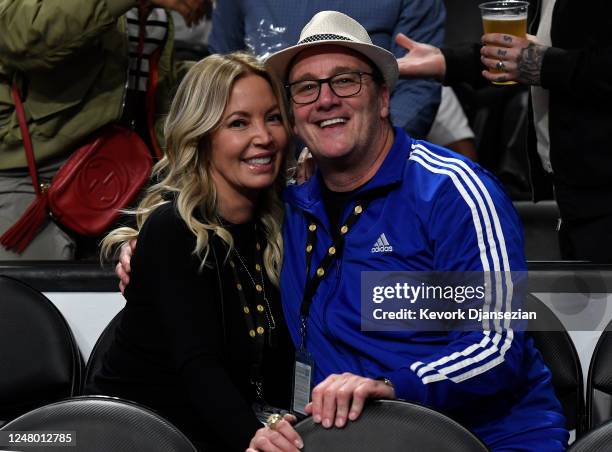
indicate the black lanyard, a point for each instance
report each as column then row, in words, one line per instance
column 333, row 251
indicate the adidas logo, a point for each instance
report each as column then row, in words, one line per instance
column 382, row 245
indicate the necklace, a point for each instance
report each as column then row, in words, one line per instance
column 255, row 318
column 260, row 288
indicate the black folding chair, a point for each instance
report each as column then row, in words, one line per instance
column 561, row 357
column 98, row 423
column 39, row 359
column 391, row 426
column 599, row 381
column 96, row 358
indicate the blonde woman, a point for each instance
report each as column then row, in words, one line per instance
column 202, row 338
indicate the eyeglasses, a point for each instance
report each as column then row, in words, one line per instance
column 346, row 84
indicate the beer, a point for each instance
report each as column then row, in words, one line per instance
column 507, row 17
column 510, row 25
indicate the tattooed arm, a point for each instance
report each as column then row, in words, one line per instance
column 522, row 58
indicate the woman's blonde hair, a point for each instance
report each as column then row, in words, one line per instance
column 184, row 171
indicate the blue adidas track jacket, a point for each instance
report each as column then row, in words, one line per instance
column 441, row 212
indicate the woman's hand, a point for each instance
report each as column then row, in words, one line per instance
column 123, row 269
column 519, row 59
column 281, row 437
column 341, row 397
column 421, row 61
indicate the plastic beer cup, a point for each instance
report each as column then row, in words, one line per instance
column 508, row 17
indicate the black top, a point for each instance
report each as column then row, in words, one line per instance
column 184, row 350
column 335, row 202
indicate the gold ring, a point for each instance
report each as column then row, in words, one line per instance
column 272, row 420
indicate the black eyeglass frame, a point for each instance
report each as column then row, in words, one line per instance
column 328, row 80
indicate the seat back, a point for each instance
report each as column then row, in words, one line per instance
column 390, row 426
column 559, row 353
column 96, row 358
column 599, row 381
column 39, row 359
column 105, row 424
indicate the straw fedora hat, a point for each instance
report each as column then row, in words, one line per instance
column 332, row 27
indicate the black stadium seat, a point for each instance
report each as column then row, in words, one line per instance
column 559, row 353
column 39, row 359
column 599, row 382
column 391, row 426
column 103, row 424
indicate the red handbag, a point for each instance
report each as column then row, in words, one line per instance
column 100, row 178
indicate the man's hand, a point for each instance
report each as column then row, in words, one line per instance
column 283, row 438
column 193, row 11
column 123, row 269
column 339, row 397
column 520, row 58
column 421, row 61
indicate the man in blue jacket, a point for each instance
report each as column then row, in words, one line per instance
column 381, row 200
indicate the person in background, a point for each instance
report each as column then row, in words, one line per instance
column 265, row 26
column 77, row 67
column 450, row 128
column 567, row 66
column 191, row 42
column 202, row 339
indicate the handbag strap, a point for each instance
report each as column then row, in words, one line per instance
column 27, row 140
column 150, row 102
